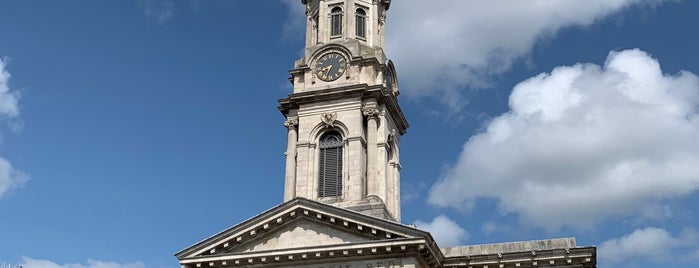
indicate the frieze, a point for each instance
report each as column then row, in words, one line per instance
column 383, row 263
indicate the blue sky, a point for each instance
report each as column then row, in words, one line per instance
column 133, row 129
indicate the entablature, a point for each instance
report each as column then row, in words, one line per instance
column 579, row 257
column 363, row 91
column 269, row 222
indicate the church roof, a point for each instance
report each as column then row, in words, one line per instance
column 301, row 229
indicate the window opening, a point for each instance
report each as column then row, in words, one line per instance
column 360, row 17
column 336, row 21
column 330, row 175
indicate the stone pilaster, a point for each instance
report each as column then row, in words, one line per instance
column 373, row 186
column 290, row 176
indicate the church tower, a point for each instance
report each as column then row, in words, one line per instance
column 343, row 118
column 342, row 183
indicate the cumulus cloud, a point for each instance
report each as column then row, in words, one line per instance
column 160, row 11
column 461, row 43
column 9, row 100
column 37, row 263
column 582, row 143
column 445, row 231
column 295, row 23
column 491, row 227
column 9, row 177
column 9, row 109
column 655, row 244
column 441, row 49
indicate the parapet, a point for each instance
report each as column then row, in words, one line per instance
column 511, row 247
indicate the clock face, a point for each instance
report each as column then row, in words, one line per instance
column 330, row 66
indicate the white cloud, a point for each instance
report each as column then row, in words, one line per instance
column 9, row 109
column 160, row 11
column 646, row 242
column 9, row 177
column 650, row 243
column 295, row 23
column 491, row 227
column 36, row 263
column 584, row 142
column 440, row 47
column 9, row 100
column 445, row 231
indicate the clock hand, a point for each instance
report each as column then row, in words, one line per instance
column 321, row 70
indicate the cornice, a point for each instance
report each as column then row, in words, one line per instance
column 306, row 255
column 582, row 257
column 295, row 99
column 363, row 91
column 342, row 219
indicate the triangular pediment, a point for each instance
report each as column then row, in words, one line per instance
column 301, row 224
column 302, row 233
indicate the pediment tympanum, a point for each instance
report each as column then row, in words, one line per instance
column 302, row 233
column 301, row 223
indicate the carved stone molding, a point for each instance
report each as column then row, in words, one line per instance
column 291, row 123
column 382, row 17
column 329, row 119
column 392, row 135
column 370, row 112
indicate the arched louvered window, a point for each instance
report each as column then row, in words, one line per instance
column 336, row 21
column 360, row 17
column 330, row 175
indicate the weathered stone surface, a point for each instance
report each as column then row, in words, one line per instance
column 509, row 247
column 303, row 234
column 380, row 263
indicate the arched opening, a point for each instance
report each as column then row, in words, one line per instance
column 336, row 21
column 360, row 17
column 330, row 169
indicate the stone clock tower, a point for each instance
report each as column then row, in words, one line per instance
column 342, row 183
column 343, row 116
